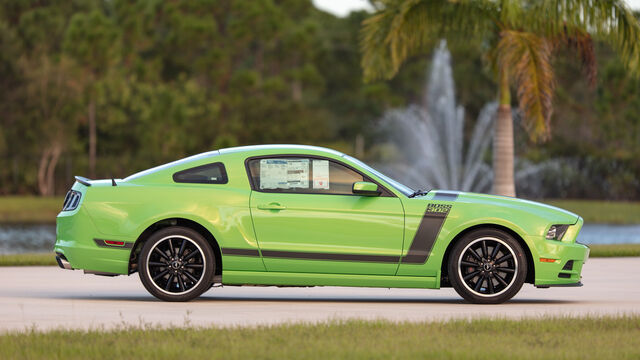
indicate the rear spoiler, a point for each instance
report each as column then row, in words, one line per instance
column 83, row 180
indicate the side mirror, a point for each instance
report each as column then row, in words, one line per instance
column 365, row 188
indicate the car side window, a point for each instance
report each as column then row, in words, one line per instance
column 205, row 174
column 302, row 175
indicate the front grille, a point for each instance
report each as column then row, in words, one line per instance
column 72, row 200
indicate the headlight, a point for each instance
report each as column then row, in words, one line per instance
column 556, row 232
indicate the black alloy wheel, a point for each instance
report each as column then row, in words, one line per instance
column 487, row 267
column 176, row 264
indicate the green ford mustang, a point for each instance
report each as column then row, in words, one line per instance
column 305, row 216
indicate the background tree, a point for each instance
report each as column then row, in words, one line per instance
column 40, row 90
column 183, row 76
column 52, row 98
column 523, row 37
column 92, row 40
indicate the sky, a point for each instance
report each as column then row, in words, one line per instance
column 343, row 7
column 635, row 4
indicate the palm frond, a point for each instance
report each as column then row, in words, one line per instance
column 582, row 43
column 609, row 20
column 511, row 13
column 376, row 54
column 402, row 29
column 526, row 58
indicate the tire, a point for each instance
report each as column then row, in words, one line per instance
column 176, row 264
column 494, row 274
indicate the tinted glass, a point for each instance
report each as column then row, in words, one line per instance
column 205, row 174
column 302, row 175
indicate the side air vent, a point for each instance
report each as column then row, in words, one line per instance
column 71, row 201
column 568, row 265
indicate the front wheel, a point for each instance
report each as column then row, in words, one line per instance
column 176, row 264
column 487, row 267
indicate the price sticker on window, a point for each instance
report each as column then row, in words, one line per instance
column 321, row 174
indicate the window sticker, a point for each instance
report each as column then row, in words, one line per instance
column 284, row 173
column 298, row 173
column 273, row 174
column 321, row 174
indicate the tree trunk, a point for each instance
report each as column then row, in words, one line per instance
column 51, row 168
column 503, row 180
column 47, row 169
column 296, row 90
column 42, row 172
column 359, row 148
column 92, row 138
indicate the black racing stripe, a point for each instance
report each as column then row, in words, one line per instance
column 427, row 233
column 102, row 243
column 330, row 256
column 445, row 196
column 240, row 252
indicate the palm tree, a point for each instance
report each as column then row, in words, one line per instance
column 522, row 37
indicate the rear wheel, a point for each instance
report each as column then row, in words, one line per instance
column 487, row 267
column 176, row 264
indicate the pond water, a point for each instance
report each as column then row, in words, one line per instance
column 609, row 234
column 17, row 239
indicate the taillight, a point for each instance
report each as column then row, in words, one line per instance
column 72, row 200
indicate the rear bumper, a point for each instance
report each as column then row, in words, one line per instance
column 76, row 248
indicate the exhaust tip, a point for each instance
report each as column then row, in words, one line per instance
column 63, row 262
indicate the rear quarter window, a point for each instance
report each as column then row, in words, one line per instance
column 205, row 174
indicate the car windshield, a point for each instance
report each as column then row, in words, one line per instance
column 396, row 185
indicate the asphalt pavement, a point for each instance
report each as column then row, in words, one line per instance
column 44, row 298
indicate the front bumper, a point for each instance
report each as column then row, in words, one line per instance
column 578, row 284
column 569, row 257
column 566, row 269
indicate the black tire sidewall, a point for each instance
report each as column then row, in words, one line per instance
column 455, row 276
column 208, row 255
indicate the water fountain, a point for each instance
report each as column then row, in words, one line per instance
column 430, row 137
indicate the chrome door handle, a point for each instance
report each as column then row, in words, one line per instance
column 271, row 206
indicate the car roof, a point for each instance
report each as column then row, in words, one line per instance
column 284, row 148
column 280, row 147
column 172, row 164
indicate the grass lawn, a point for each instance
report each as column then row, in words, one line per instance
column 601, row 212
column 614, row 250
column 29, row 209
column 44, row 259
column 550, row 338
column 39, row 259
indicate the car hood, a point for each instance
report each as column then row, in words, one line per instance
column 551, row 213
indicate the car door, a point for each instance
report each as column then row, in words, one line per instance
column 307, row 218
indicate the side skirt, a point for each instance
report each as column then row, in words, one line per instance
column 232, row 277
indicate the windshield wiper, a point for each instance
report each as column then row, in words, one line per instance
column 419, row 192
